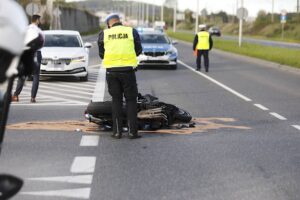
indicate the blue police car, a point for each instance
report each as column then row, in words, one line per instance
column 158, row 50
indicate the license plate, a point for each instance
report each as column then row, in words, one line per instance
column 157, row 58
column 57, row 62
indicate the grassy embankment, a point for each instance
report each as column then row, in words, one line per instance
column 267, row 32
column 279, row 55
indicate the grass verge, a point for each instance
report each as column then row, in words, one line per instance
column 283, row 56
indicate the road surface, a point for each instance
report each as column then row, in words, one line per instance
column 247, row 146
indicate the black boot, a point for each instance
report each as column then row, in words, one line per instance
column 134, row 136
column 117, row 135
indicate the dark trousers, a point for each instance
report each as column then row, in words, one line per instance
column 36, row 78
column 203, row 53
column 123, row 84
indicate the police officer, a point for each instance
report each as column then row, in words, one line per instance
column 202, row 44
column 35, row 24
column 119, row 47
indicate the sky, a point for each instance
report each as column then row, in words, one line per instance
column 253, row 6
column 230, row 6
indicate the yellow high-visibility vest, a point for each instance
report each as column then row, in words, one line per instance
column 203, row 40
column 119, row 47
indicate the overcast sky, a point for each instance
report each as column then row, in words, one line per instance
column 229, row 6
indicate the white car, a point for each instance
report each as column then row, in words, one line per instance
column 64, row 54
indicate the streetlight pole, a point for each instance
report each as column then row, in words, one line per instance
column 175, row 17
column 197, row 16
column 143, row 12
column 272, row 17
column 162, row 12
column 138, row 13
column 241, row 25
column 147, row 13
column 153, row 13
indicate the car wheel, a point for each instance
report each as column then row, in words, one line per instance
column 85, row 78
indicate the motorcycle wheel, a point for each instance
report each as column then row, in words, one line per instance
column 182, row 116
column 96, row 108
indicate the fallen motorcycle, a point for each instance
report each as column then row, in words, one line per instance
column 152, row 114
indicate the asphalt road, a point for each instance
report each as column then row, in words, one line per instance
column 260, row 161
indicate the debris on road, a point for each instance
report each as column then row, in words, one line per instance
column 199, row 125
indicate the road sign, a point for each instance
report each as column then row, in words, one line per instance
column 242, row 13
column 283, row 19
column 32, row 8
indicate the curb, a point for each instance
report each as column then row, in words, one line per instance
column 252, row 60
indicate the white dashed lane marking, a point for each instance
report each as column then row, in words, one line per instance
column 296, row 127
column 89, row 140
column 277, row 116
column 83, row 164
column 261, row 107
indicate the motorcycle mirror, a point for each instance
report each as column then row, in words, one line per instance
column 9, row 186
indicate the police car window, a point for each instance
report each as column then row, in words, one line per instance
column 62, row 41
column 154, row 39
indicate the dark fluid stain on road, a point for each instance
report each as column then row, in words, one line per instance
column 200, row 125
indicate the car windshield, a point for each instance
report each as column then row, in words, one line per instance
column 62, row 41
column 154, row 39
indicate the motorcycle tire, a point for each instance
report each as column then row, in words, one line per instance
column 182, row 116
column 96, row 108
column 102, row 108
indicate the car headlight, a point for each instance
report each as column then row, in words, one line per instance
column 45, row 61
column 170, row 52
column 78, row 59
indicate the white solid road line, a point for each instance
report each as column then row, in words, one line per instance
column 277, row 116
column 99, row 91
column 81, row 179
column 89, row 141
column 78, row 193
column 83, row 164
column 216, row 82
column 296, row 127
column 261, row 107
